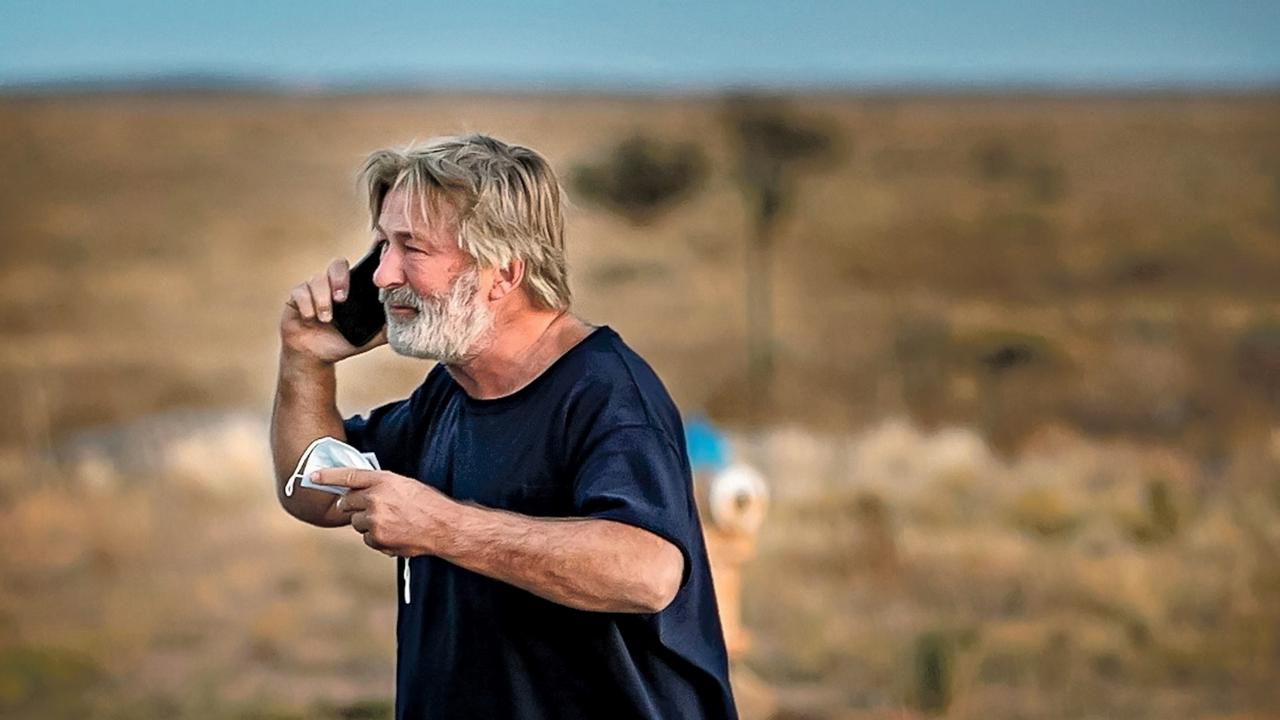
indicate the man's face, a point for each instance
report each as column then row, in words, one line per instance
column 429, row 286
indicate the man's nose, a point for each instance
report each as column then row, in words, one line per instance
column 388, row 274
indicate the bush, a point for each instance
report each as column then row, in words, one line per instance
column 934, row 672
column 1160, row 517
column 641, row 177
column 1044, row 512
column 996, row 160
column 50, row 679
column 1257, row 360
column 1000, row 351
column 922, row 350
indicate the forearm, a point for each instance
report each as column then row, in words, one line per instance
column 305, row 409
column 596, row 565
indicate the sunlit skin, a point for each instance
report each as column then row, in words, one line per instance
column 597, row 565
column 424, row 257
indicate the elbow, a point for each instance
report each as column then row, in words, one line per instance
column 662, row 582
column 301, row 506
column 659, row 598
column 290, row 506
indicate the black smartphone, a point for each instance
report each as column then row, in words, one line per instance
column 361, row 315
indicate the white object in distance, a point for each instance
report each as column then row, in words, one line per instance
column 738, row 499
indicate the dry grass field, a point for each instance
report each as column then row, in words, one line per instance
column 1023, row 437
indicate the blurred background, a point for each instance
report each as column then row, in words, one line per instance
column 989, row 293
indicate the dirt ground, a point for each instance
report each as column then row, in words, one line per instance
column 1022, row 434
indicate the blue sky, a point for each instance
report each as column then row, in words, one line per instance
column 661, row 45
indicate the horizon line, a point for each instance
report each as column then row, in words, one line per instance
column 201, row 82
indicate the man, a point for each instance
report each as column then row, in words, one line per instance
column 535, row 486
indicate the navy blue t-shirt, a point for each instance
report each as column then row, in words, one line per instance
column 595, row 435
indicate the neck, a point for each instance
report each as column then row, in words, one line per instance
column 521, row 348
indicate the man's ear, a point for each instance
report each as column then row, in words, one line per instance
column 507, row 279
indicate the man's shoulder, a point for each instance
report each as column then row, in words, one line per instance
column 612, row 384
column 608, row 362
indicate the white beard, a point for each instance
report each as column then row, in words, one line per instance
column 450, row 328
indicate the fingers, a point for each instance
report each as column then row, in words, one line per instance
column 354, row 501
column 322, row 297
column 368, row 540
column 314, row 299
column 347, row 478
column 339, row 274
column 300, row 297
column 360, row 522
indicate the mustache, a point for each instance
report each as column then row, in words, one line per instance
column 403, row 295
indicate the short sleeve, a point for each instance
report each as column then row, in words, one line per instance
column 634, row 475
column 379, row 432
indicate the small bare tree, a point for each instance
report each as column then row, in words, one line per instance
column 774, row 148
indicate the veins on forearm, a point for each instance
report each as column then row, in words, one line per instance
column 303, row 410
column 587, row 564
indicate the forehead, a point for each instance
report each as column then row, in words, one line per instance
column 403, row 212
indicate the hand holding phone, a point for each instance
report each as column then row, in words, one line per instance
column 361, row 316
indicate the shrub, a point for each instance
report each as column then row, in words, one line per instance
column 35, row 677
column 1044, row 512
column 1160, row 518
column 1257, row 360
column 996, row 160
column 934, row 672
column 641, row 177
column 921, row 350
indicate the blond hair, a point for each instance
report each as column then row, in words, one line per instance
column 506, row 197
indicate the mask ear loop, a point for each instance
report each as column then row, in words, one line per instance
column 297, row 470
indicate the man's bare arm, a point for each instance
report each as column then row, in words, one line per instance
column 585, row 563
column 305, row 406
column 305, row 409
column 597, row 565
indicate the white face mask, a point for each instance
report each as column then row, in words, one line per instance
column 327, row 452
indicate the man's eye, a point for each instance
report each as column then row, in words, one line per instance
column 415, row 250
